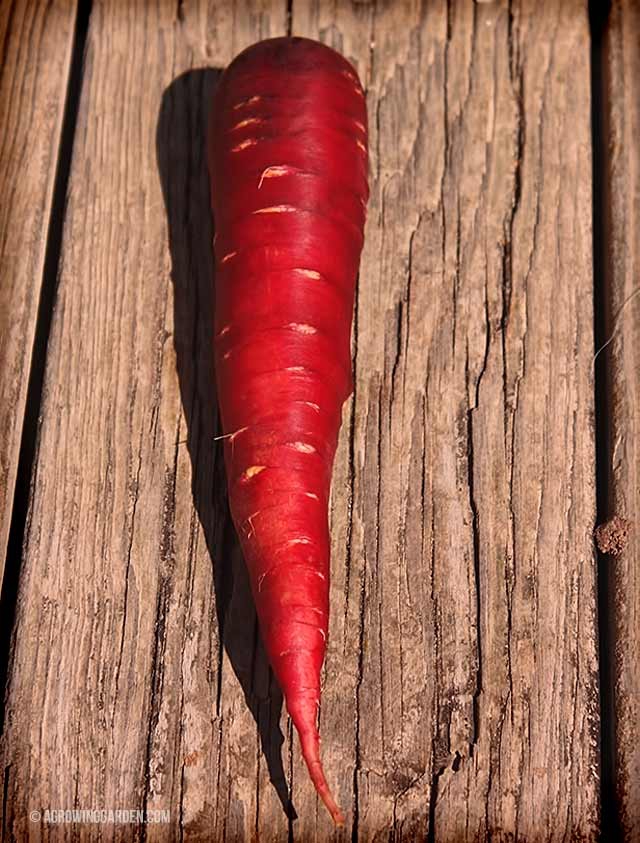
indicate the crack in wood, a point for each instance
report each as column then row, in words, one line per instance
column 434, row 704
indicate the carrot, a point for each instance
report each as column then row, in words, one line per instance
column 288, row 166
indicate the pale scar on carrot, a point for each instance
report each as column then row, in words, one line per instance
column 302, row 447
column 249, row 101
column 244, row 144
column 252, row 471
column 277, row 209
column 248, row 121
column 302, row 328
column 275, row 171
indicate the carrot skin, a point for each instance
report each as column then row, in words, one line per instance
column 288, row 162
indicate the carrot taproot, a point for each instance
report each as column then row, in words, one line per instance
column 288, row 167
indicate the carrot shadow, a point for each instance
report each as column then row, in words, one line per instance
column 181, row 157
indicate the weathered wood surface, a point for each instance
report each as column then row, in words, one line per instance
column 468, row 460
column 622, row 121
column 35, row 53
column 460, row 692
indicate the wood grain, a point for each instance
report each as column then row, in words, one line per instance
column 36, row 40
column 466, row 632
column 622, row 119
column 117, row 654
column 460, row 690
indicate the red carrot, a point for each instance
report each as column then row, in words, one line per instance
column 288, row 165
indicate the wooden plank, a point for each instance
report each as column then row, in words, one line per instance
column 464, row 622
column 117, row 658
column 36, row 40
column 460, row 695
column 622, row 116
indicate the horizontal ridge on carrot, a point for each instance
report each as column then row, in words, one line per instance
column 288, row 166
